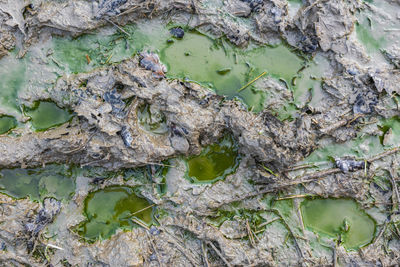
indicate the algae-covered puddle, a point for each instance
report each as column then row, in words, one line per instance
column 52, row 181
column 339, row 218
column 113, row 208
column 215, row 162
column 45, row 114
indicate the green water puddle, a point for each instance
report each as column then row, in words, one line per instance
column 52, row 181
column 341, row 219
column 45, row 114
column 152, row 120
column 7, row 123
column 113, row 208
column 219, row 65
column 378, row 27
column 215, row 162
column 363, row 146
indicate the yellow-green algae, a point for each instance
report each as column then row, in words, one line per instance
column 113, row 208
column 46, row 114
column 339, row 218
column 7, row 123
column 152, row 120
column 52, row 181
column 215, row 162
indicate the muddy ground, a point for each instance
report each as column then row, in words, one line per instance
column 359, row 89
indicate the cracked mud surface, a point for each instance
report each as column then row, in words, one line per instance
column 91, row 101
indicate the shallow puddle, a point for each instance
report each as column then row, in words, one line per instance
column 218, row 65
column 378, row 28
column 12, row 80
column 45, row 115
column 339, row 218
column 215, row 162
column 363, row 146
column 112, row 208
column 7, row 123
column 152, row 120
column 52, row 181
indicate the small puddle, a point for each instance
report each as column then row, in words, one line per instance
column 215, row 162
column 52, row 181
column 152, row 120
column 112, row 208
column 339, row 218
column 7, row 123
column 45, row 114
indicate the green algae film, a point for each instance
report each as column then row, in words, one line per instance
column 45, row 115
column 363, row 146
column 152, row 120
column 339, row 217
column 110, row 209
column 12, row 80
column 225, row 69
column 51, row 181
column 7, row 123
column 215, row 162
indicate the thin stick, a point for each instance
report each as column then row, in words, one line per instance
column 140, row 223
column 88, row 59
column 204, row 249
column 122, row 30
column 252, row 81
column 219, row 254
column 139, row 211
column 154, row 248
column 291, row 197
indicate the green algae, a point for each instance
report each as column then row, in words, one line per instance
column 7, row 123
column 215, row 162
column 363, row 146
column 309, row 82
column 341, row 219
column 220, row 66
column 113, row 208
column 45, row 114
column 152, row 120
column 12, row 81
column 377, row 28
column 52, row 181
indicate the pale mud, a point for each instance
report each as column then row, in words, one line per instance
column 105, row 132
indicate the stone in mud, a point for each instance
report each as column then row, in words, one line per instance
column 51, row 207
column 117, row 104
column 255, row 5
column 109, row 7
column 152, row 62
column 178, row 140
column 126, row 136
column 177, row 32
column 349, row 165
column 365, row 103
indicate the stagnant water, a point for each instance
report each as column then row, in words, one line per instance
column 112, row 208
column 45, row 114
column 52, row 181
column 341, row 219
column 215, row 162
column 7, row 123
